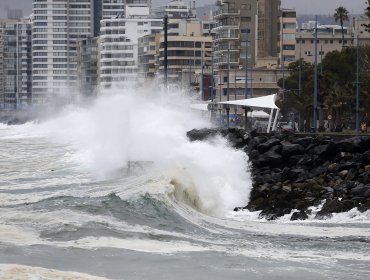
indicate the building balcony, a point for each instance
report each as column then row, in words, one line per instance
column 226, row 13
column 226, row 24
column 226, row 37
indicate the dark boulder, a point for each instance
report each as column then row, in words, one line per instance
column 201, row 134
column 289, row 149
column 297, row 173
column 301, row 215
column 323, row 150
column 268, row 144
column 256, row 141
column 304, row 142
column 349, row 145
column 359, row 191
column 269, row 158
column 334, row 206
column 260, row 203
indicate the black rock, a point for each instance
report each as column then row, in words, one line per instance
column 290, row 149
column 301, row 215
column 269, row 158
column 297, row 173
column 349, row 145
column 323, row 215
column 359, row 191
column 334, row 206
column 267, row 145
column 304, row 142
column 323, row 150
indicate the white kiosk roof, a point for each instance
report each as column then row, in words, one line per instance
column 257, row 102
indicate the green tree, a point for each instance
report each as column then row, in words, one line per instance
column 336, row 88
column 341, row 15
column 367, row 13
column 293, row 100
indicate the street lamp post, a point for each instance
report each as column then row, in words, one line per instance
column 321, row 54
column 246, row 65
column 202, row 81
column 357, row 88
column 228, row 87
column 212, row 79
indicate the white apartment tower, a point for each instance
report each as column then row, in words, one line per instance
column 119, row 44
column 57, row 26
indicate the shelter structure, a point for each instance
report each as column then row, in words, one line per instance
column 264, row 102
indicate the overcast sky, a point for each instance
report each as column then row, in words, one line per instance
column 302, row 6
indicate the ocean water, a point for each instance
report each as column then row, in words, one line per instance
column 116, row 191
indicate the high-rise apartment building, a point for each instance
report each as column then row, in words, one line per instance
column 88, row 56
column 57, row 26
column 15, row 64
column 241, row 23
column 119, row 44
column 246, row 35
column 188, row 50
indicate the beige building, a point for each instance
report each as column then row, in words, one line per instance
column 327, row 41
column 363, row 35
column 288, row 36
column 246, row 33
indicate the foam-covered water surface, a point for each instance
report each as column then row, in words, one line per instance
column 116, row 191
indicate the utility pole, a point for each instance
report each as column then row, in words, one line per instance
column 228, row 87
column 315, row 84
column 357, row 88
column 212, row 79
column 202, row 83
column 321, row 54
column 246, row 65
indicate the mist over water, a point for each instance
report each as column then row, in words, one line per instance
column 142, row 125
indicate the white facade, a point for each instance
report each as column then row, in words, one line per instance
column 57, row 25
column 176, row 9
column 119, row 47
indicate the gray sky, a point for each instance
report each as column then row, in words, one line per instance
column 325, row 6
column 302, row 6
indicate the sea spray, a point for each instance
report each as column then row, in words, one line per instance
column 136, row 126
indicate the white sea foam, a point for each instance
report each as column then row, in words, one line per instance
column 142, row 126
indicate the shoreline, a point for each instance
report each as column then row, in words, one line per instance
column 298, row 171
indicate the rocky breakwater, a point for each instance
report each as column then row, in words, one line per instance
column 292, row 173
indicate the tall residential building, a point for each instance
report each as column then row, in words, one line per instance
column 57, row 26
column 246, row 37
column 148, row 52
column 15, row 64
column 241, row 23
column 189, row 48
column 119, row 44
column 287, row 38
column 88, row 57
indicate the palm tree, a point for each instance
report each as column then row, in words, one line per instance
column 341, row 15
